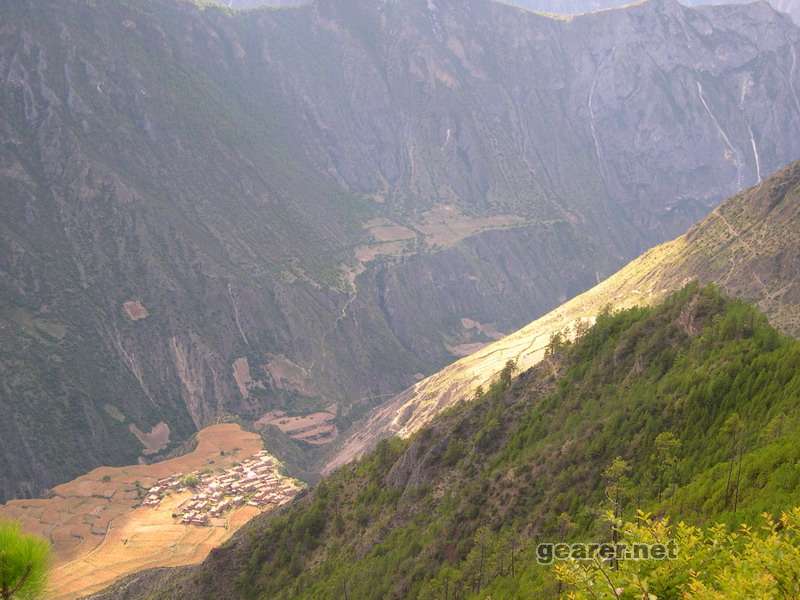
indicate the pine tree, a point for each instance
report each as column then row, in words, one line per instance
column 24, row 561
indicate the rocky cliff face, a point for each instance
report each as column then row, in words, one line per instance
column 210, row 213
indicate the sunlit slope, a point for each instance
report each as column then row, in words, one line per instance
column 750, row 246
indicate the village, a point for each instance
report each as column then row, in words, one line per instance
column 255, row 482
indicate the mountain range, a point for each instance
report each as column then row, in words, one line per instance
column 218, row 215
column 455, row 281
column 554, row 7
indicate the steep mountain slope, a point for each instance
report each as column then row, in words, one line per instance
column 524, row 463
column 211, row 214
column 750, row 246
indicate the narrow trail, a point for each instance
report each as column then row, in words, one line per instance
column 604, row 176
column 343, row 315
column 351, row 298
column 340, row 317
column 738, row 237
column 776, row 297
column 735, row 233
column 736, row 154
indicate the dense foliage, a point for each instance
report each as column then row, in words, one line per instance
column 23, row 563
column 686, row 410
column 712, row 564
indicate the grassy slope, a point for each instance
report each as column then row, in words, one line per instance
column 524, row 462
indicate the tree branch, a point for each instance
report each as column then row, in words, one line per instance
column 22, row 581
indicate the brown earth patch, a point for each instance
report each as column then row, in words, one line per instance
column 487, row 330
column 135, row 310
column 153, row 442
column 316, row 428
column 384, row 230
column 147, row 538
column 390, row 239
column 288, row 375
column 241, row 373
column 442, row 227
column 446, row 226
column 365, row 254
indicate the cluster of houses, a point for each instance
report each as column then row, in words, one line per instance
column 255, row 482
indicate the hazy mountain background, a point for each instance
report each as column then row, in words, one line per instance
column 558, row 7
column 212, row 214
column 573, row 7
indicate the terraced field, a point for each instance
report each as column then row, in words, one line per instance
column 100, row 532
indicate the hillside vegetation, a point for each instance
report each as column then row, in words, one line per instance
column 687, row 410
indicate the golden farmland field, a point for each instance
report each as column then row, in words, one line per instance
column 100, row 533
